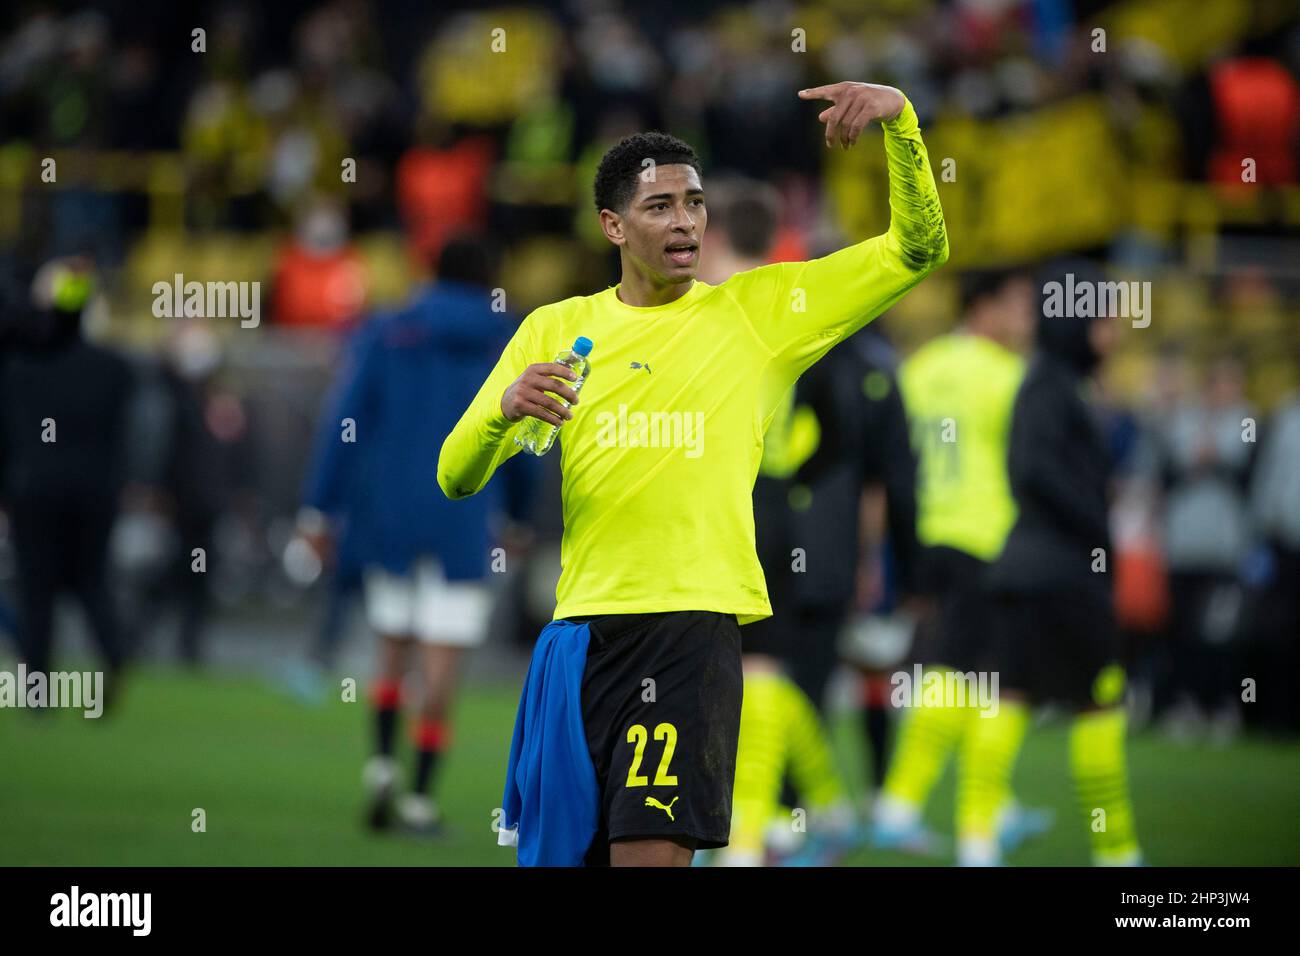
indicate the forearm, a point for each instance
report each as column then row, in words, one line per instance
column 476, row 447
column 484, row 437
column 322, row 489
column 333, row 473
column 331, row 458
column 818, row 303
column 917, row 235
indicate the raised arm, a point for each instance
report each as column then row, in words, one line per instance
column 815, row 304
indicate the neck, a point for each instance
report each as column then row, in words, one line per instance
column 642, row 291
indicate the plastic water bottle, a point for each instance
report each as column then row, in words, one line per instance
column 536, row 436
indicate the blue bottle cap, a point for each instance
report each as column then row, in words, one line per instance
column 582, row 345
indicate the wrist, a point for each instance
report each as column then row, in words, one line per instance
column 904, row 120
column 502, row 418
column 496, row 426
column 901, row 101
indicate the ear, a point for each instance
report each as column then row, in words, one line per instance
column 611, row 224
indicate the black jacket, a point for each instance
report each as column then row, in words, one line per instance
column 85, row 391
column 1060, row 471
column 864, row 441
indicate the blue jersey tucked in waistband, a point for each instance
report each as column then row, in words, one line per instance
column 551, row 803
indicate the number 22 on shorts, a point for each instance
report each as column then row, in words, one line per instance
column 637, row 734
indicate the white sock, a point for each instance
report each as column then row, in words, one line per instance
column 978, row 851
column 895, row 814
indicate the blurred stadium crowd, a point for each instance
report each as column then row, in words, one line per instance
column 330, row 151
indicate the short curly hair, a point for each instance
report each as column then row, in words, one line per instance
column 616, row 177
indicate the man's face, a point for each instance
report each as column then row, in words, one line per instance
column 663, row 225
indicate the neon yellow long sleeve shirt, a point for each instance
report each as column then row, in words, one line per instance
column 959, row 391
column 660, row 457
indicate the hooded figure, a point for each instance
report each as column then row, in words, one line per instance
column 63, row 408
column 1056, row 639
column 1058, row 461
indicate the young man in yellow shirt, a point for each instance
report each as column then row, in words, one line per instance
column 642, row 661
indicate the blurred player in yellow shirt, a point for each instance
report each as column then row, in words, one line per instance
column 959, row 390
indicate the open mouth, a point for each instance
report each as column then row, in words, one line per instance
column 682, row 253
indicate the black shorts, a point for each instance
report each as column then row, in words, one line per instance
column 661, row 707
column 1059, row 647
column 957, row 633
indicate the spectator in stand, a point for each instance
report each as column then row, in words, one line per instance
column 320, row 280
column 1275, row 506
column 1204, row 460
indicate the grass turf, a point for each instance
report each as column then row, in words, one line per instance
column 279, row 782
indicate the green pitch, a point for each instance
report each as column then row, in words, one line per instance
column 279, row 783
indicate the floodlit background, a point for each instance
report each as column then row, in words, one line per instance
column 1166, row 147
